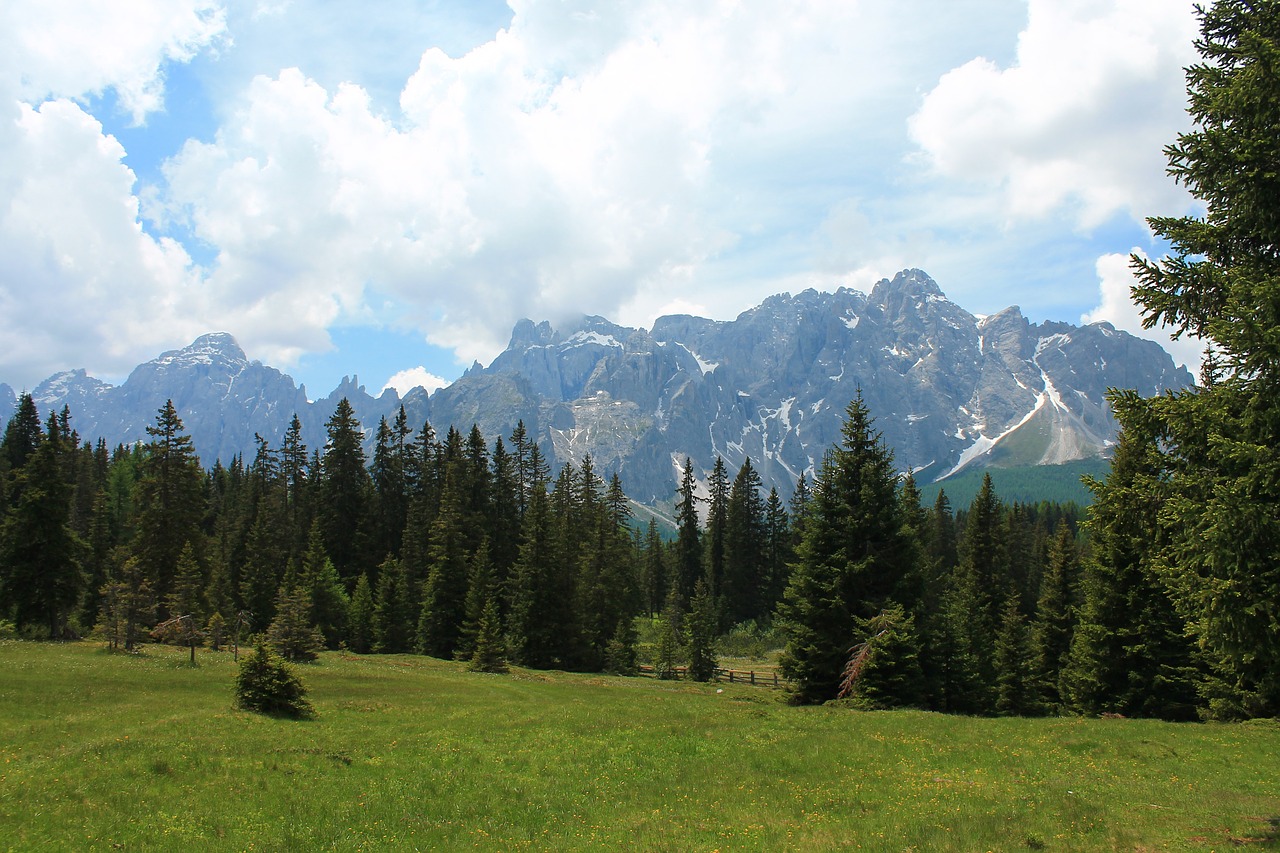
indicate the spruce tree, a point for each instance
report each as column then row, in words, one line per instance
column 700, row 631
column 170, row 500
column 1221, row 282
column 688, row 550
column 392, row 631
column 490, row 653
column 40, row 555
column 293, row 634
column 360, row 637
column 1055, row 620
column 852, row 561
column 884, row 670
column 344, row 493
column 1011, row 653
column 1130, row 653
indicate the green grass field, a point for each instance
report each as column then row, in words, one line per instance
column 108, row 751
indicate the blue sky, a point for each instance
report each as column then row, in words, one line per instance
column 384, row 191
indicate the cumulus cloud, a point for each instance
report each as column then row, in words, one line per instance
column 65, row 48
column 562, row 167
column 1080, row 118
column 415, row 377
column 77, row 271
column 1116, row 306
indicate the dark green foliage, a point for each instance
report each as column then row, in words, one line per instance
column 1129, row 653
column 360, row 637
column 667, row 656
column 1220, row 444
column 345, row 488
column 621, row 653
column 187, row 596
column 884, row 670
column 267, row 685
column 328, row 597
column 700, row 630
column 392, row 617
column 852, row 562
column 1014, row 689
column 688, row 550
column 490, row 654
column 745, row 582
column 1055, row 620
column 128, row 607
column 170, row 498
column 40, row 555
column 444, row 596
column 292, row 634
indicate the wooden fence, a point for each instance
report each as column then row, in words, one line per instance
column 733, row 676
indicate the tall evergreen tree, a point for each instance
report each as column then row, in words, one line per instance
column 1130, row 653
column 1055, row 619
column 360, row 636
column 392, row 631
column 714, row 536
column 344, row 492
column 170, row 500
column 851, row 561
column 40, row 555
column 1221, row 283
column 688, row 550
column 744, row 585
column 700, row 630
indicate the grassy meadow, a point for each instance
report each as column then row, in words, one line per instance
column 105, row 751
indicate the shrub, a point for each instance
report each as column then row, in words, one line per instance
column 268, row 685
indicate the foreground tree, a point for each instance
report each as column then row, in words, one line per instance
column 267, row 685
column 1221, row 442
column 39, row 552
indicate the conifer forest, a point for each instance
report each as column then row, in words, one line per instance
column 1162, row 599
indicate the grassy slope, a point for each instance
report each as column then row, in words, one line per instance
column 101, row 751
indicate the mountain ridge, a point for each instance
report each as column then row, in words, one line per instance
column 950, row 390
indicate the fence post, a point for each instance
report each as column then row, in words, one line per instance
column 753, row 677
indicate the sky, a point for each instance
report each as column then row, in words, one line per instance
column 383, row 190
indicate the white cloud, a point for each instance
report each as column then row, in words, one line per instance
column 79, row 277
column 65, row 48
column 415, row 377
column 1116, row 306
column 1080, row 118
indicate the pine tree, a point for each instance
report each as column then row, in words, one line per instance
column 1130, row 653
column 22, row 434
column 128, row 607
column 170, row 500
column 1221, row 283
column 360, row 636
column 328, row 598
column 1055, row 620
column 445, row 592
column 267, row 685
column 851, row 562
column 344, row 493
column 293, row 634
column 714, row 537
column 688, row 550
column 700, row 630
column 40, row 555
column 621, row 654
column 666, row 657
column 745, row 578
column 187, row 597
column 392, row 631
column 884, row 670
column 1014, row 691
column 490, row 653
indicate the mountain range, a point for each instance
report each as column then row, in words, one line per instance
column 949, row 390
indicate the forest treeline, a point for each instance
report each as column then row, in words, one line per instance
column 448, row 545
